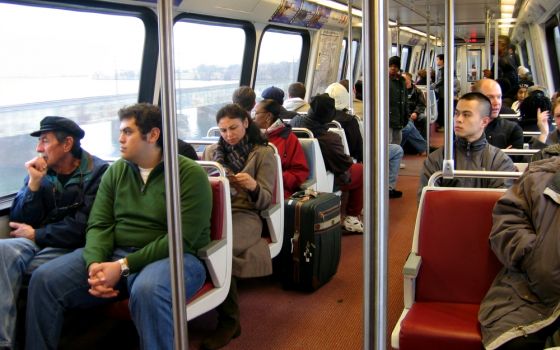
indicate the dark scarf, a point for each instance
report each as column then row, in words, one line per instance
column 233, row 157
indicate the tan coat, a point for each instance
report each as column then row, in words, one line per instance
column 251, row 256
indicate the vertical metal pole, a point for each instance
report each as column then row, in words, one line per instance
column 496, row 55
column 449, row 66
column 487, row 39
column 374, row 34
column 172, row 186
column 428, row 83
column 350, row 72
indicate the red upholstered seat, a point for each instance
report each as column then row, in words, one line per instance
column 456, row 270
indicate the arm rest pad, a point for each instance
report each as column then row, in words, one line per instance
column 267, row 213
column 211, row 248
column 412, row 265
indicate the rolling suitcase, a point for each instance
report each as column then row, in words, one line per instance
column 312, row 233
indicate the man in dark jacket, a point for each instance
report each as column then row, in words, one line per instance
column 501, row 133
column 49, row 214
column 471, row 149
column 398, row 101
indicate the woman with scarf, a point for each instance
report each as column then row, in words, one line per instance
column 294, row 165
column 251, row 170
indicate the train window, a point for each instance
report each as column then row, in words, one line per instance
column 553, row 43
column 341, row 61
column 80, row 65
column 394, row 50
column 355, row 46
column 404, row 58
column 206, row 75
column 279, row 60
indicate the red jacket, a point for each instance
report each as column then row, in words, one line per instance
column 294, row 165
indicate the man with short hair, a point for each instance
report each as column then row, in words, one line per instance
column 412, row 136
column 126, row 252
column 245, row 97
column 501, row 133
column 49, row 214
column 398, row 101
column 439, row 87
column 296, row 98
column 471, row 149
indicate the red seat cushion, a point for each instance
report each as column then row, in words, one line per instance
column 433, row 326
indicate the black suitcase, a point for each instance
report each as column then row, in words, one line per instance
column 312, row 233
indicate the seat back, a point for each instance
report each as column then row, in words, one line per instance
column 303, row 133
column 317, row 170
column 213, row 132
column 340, row 132
column 274, row 215
column 451, row 236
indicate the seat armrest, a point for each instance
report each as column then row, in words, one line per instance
column 308, row 184
column 410, row 272
column 211, row 248
column 412, row 265
column 267, row 213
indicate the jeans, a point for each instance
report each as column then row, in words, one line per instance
column 62, row 284
column 395, row 156
column 19, row 257
column 395, row 136
column 411, row 135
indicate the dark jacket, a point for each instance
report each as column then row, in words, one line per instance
column 186, row 149
column 353, row 135
column 477, row 155
column 525, row 295
column 416, row 102
column 398, row 103
column 503, row 133
column 57, row 212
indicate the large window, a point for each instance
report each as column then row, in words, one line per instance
column 279, row 60
column 83, row 66
column 206, row 74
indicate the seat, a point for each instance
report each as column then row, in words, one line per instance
column 274, row 215
column 318, row 179
column 340, row 132
column 217, row 255
column 303, row 133
column 448, row 271
column 213, row 132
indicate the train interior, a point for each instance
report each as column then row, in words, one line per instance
column 87, row 59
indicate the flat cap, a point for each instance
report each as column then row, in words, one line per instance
column 52, row 123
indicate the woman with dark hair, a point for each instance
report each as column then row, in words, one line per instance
column 294, row 165
column 251, row 170
column 537, row 98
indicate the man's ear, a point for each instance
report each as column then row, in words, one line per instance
column 68, row 144
column 153, row 135
column 485, row 121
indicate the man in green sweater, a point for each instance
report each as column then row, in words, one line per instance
column 126, row 252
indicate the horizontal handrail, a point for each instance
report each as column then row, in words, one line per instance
column 477, row 174
column 207, row 164
column 204, row 141
column 520, row 152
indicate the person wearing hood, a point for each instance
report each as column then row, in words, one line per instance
column 348, row 175
column 296, row 98
column 348, row 121
column 471, row 149
column 277, row 94
column 294, row 165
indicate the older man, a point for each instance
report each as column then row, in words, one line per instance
column 49, row 214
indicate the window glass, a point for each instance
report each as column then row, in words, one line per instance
column 279, row 58
column 341, row 61
column 404, row 58
column 79, row 65
column 394, row 50
column 355, row 45
column 206, row 75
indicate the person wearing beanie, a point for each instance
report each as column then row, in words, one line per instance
column 348, row 121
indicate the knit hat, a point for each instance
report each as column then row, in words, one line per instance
column 273, row 93
column 340, row 95
column 321, row 108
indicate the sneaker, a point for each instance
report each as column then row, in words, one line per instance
column 394, row 193
column 353, row 224
column 402, row 166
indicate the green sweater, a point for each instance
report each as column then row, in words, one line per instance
column 129, row 213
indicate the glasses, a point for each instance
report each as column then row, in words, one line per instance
column 255, row 112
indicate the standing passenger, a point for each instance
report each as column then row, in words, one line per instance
column 127, row 241
column 49, row 214
column 398, row 101
column 251, row 168
column 294, row 165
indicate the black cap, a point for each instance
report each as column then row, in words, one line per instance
column 322, row 108
column 59, row 123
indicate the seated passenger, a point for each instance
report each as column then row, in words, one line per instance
column 186, row 150
column 251, row 168
column 471, row 150
column 358, row 103
column 537, row 98
column 295, row 171
column 296, row 98
column 520, row 96
column 277, row 94
column 49, row 213
column 501, row 133
column 547, row 138
column 348, row 175
column 126, row 251
column 412, row 132
column 245, row 97
column 348, row 121
column 520, row 310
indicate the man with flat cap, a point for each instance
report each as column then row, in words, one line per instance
column 49, row 214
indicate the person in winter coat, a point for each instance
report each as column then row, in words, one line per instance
column 471, row 149
column 294, row 165
column 398, row 101
column 521, row 308
column 296, row 99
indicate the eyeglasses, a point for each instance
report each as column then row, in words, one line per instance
column 255, row 112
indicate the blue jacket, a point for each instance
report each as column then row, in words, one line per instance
column 57, row 212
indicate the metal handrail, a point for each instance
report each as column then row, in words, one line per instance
column 520, row 152
column 476, row 174
column 208, row 164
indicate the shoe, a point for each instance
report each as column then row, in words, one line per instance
column 353, row 224
column 402, row 166
column 228, row 321
column 394, row 193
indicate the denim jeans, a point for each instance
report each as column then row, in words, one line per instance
column 19, row 257
column 395, row 156
column 62, row 284
column 411, row 135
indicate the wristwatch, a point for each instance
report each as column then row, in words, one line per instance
column 125, row 271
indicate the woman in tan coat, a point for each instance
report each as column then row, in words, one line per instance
column 251, row 170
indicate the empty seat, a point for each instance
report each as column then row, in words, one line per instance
column 448, row 271
column 318, row 179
